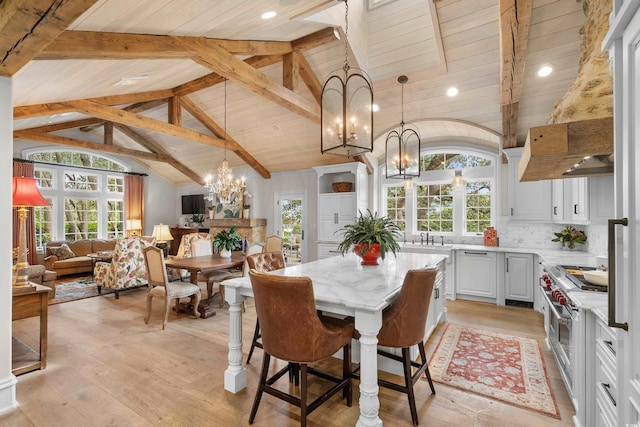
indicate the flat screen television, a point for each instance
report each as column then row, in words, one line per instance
column 193, row 204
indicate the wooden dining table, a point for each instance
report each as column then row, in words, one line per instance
column 194, row 265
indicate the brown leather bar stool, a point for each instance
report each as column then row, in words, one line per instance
column 403, row 325
column 263, row 262
column 293, row 331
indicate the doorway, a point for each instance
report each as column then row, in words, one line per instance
column 289, row 221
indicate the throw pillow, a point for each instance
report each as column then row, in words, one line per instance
column 62, row 252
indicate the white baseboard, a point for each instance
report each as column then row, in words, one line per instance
column 8, row 394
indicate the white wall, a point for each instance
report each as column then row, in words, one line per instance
column 7, row 379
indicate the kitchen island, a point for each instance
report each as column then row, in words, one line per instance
column 344, row 287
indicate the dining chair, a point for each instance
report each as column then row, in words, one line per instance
column 293, row 331
column 254, row 248
column 263, row 262
column 273, row 244
column 403, row 326
column 202, row 247
column 159, row 285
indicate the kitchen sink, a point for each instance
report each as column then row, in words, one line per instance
column 417, row 247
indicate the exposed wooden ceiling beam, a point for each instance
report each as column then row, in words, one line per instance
column 95, row 146
column 309, row 77
column 136, row 120
column 155, row 147
column 103, row 45
column 28, row 26
column 319, row 38
column 214, row 78
column 290, row 71
column 35, row 110
column 203, row 118
column 515, row 20
column 227, row 65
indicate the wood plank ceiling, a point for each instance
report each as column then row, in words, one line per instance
column 68, row 78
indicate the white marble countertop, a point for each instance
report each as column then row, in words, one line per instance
column 553, row 256
column 343, row 281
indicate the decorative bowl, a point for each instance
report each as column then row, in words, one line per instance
column 342, row 187
column 597, row 277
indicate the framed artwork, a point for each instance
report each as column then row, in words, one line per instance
column 228, row 210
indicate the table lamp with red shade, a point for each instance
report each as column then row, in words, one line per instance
column 25, row 195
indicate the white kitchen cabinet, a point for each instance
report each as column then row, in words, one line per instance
column 335, row 210
column 327, row 250
column 570, row 200
column 476, row 275
column 557, row 200
column 437, row 304
column 528, row 201
column 601, row 201
column 518, row 277
column 578, row 199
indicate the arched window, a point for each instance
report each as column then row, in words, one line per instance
column 86, row 191
column 454, row 195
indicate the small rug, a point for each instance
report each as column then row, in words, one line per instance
column 499, row 366
column 80, row 288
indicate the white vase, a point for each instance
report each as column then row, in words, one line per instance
column 225, row 253
column 211, row 213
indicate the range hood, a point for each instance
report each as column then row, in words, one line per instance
column 568, row 150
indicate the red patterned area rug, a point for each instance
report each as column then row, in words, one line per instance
column 76, row 289
column 502, row 367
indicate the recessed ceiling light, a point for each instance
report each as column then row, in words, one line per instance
column 268, row 15
column 375, row 108
column 545, row 70
column 452, row 91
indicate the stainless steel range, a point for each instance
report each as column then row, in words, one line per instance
column 562, row 317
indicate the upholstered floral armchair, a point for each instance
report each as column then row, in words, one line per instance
column 127, row 269
column 185, row 251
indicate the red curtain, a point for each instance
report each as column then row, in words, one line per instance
column 24, row 169
column 134, row 199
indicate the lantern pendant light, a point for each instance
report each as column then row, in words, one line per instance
column 347, row 108
column 402, row 147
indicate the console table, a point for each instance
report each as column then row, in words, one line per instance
column 30, row 303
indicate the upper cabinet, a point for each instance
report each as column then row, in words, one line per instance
column 601, row 199
column 528, row 201
column 570, row 200
column 338, row 204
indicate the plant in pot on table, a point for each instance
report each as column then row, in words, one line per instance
column 226, row 241
column 371, row 237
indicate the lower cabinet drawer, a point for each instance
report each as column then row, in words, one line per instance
column 327, row 250
column 606, row 386
column 605, row 415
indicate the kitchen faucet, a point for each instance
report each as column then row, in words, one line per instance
column 422, row 237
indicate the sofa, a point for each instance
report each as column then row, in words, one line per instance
column 77, row 261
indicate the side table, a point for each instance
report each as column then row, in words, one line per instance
column 30, row 303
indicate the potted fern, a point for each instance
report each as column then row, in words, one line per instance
column 371, row 236
column 226, row 241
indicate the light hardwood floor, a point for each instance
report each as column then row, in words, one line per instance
column 107, row 368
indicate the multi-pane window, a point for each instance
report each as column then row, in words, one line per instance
column 478, row 206
column 442, row 161
column 454, row 194
column 80, row 181
column 115, row 184
column 44, row 178
column 76, row 158
column 396, row 205
column 434, row 207
column 115, row 219
column 80, row 219
column 43, row 218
